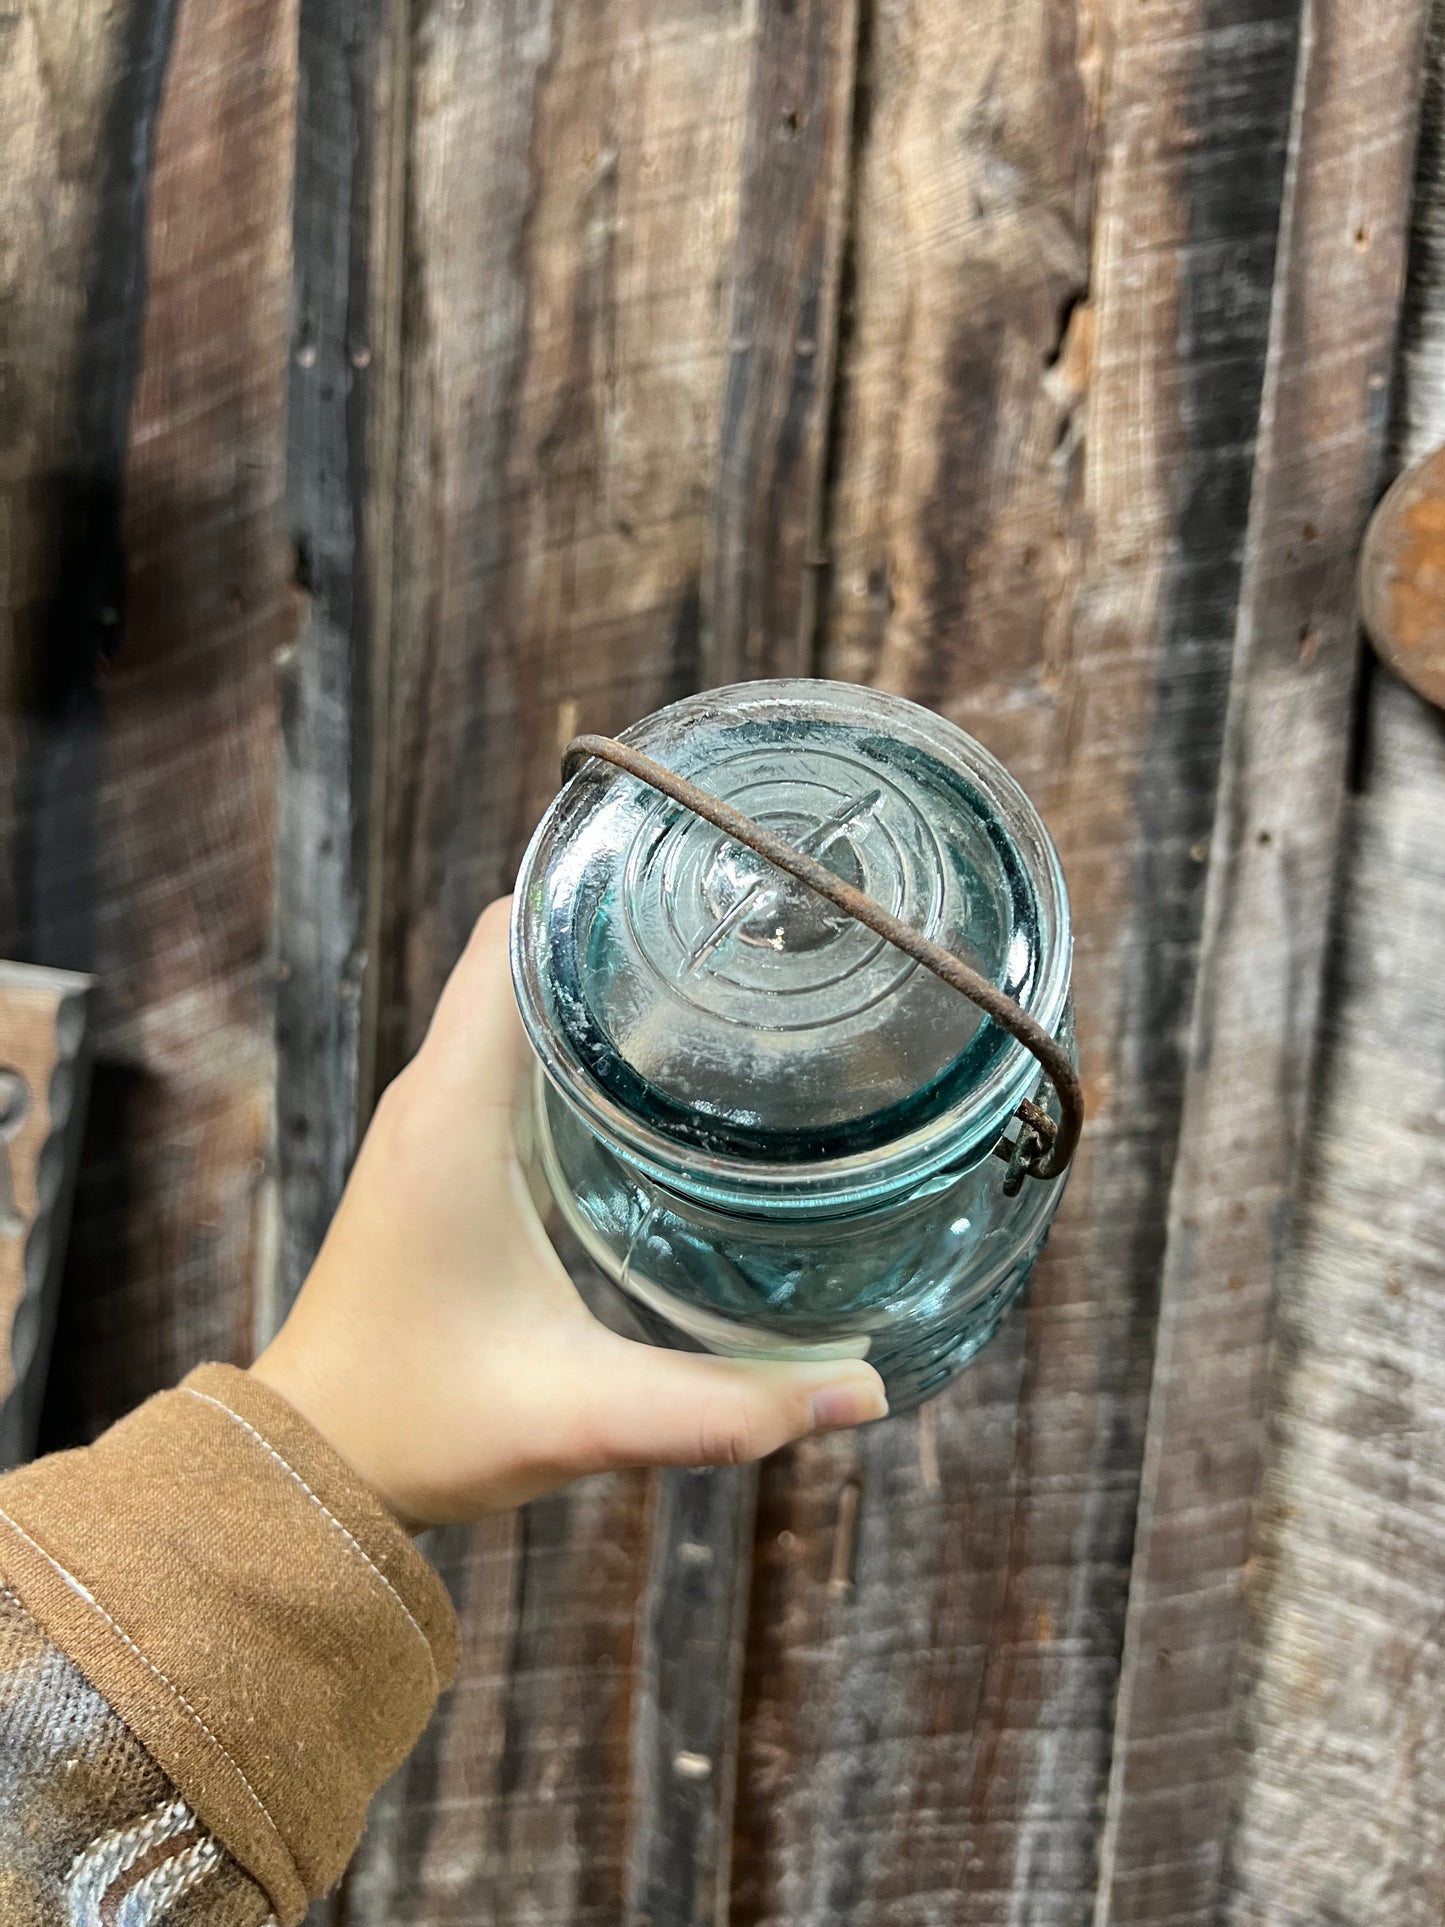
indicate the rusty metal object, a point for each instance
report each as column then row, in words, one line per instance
column 1402, row 577
column 1043, row 1149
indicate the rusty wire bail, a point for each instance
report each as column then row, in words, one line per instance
column 1042, row 1149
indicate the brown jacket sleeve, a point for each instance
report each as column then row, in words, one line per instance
column 249, row 1610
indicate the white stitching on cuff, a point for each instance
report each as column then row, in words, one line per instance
column 320, row 1504
column 175, row 1692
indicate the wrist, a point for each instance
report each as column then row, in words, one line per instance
column 322, row 1398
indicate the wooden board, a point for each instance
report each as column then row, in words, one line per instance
column 74, row 92
column 1038, row 526
column 692, row 1638
column 1272, row 867
column 1340, row 1798
column 150, row 315
column 1340, row 1795
column 345, row 376
column 617, row 338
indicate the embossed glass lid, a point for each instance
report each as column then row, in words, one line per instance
column 676, row 984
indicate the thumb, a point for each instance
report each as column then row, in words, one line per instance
column 646, row 1406
column 475, row 1049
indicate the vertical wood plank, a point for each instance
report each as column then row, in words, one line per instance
column 508, row 553
column 1340, row 1794
column 1340, row 1798
column 143, row 807
column 344, row 382
column 1272, row 864
column 80, row 106
column 777, row 392
column 344, row 379
column 1065, row 242
column 689, row 1670
column 623, row 231
column 572, row 200
column 186, row 812
column 77, row 98
column 1420, row 379
column 759, row 620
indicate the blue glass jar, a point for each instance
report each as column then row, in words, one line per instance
column 772, row 1131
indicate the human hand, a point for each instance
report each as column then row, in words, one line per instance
column 440, row 1346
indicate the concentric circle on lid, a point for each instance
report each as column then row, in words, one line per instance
column 682, row 991
column 733, row 938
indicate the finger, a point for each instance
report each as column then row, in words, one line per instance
column 476, row 1031
column 641, row 1406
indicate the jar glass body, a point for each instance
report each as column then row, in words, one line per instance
column 916, row 1283
column 777, row 1243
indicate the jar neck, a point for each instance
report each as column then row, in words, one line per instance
column 854, row 1187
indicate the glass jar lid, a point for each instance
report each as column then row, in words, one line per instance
column 686, row 994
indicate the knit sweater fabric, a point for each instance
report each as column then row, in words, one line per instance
column 91, row 1830
column 215, row 1644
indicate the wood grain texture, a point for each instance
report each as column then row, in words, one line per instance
column 617, row 333
column 1341, row 1792
column 1420, row 383
column 44, row 1083
column 340, row 488
column 143, row 711
column 1272, row 865
column 565, row 337
column 514, row 1808
column 1063, row 264
column 80, row 99
column 685, row 1722
column 763, row 534
column 172, row 818
column 880, row 1780
column 68, row 330
column 61, row 367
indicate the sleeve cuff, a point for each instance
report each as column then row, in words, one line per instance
column 248, row 1607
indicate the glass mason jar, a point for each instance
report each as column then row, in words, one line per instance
column 775, row 1133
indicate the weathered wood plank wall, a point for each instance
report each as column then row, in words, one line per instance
column 1272, row 863
column 618, row 327
column 1028, row 359
column 341, row 486
column 1042, row 529
column 1340, row 1803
